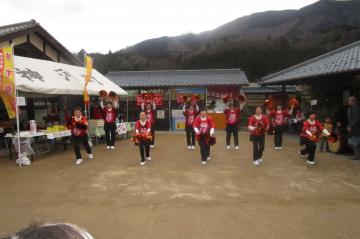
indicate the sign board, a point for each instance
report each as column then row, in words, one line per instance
column 160, row 114
column 178, row 119
column 20, row 101
column 313, row 102
column 121, row 128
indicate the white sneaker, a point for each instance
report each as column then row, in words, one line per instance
column 310, row 162
column 90, row 156
column 193, row 147
column 142, row 163
column 279, row 148
column 107, row 147
column 203, row 162
column 152, row 146
column 256, row 163
column 228, row 147
column 236, row 147
column 301, row 155
column 78, row 161
column 189, row 147
column 260, row 160
column 112, row 147
column 208, row 159
column 148, row 158
column 276, row 148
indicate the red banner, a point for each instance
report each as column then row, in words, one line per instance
column 221, row 92
column 179, row 98
column 158, row 98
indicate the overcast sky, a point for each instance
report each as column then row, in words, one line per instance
column 103, row 25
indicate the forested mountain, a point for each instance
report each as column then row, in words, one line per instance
column 260, row 43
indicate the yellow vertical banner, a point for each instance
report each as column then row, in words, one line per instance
column 88, row 65
column 7, row 81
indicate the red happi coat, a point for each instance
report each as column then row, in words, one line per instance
column 150, row 116
column 109, row 115
column 259, row 124
column 205, row 125
column 279, row 118
column 143, row 128
column 78, row 126
column 232, row 117
column 190, row 117
column 314, row 128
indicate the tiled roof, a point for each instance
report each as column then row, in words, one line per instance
column 8, row 29
column 8, row 32
column 343, row 60
column 182, row 78
column 257, row 89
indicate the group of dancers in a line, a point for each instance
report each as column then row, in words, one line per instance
column 200, row 127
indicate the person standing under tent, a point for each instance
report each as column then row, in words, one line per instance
column 258, row 125
column 78, row 125
column 204, row 127
column 149, row 110
column 279, row 120
column 309, row 136
column 232, row 115
column 142, row 131
column 353, row 127
column 190, row 114
column 109, row 114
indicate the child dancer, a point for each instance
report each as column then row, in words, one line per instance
column 78, row 126
column 279, row 117
column 324, row 142
column 309, row 136
column 258, row 125
column 149, row 110
column 232, row 115
column 204, row 127
column 190, row 114
column 143, row 132
column 109, row 114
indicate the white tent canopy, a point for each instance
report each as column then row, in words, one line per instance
column 48, row 77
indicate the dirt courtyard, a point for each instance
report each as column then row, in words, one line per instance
column 174, row 196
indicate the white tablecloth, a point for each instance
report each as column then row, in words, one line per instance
column 58, row 134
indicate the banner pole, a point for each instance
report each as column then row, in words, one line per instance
column 18, row 127
column 17, row 110
column 127, row 108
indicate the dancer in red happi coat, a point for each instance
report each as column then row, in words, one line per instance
column 204, row 127
column 258, row 125
column 279, row 120
column 232, row 115
column 143, row 138
column 149, row 110
column 110, row 115
column 309, row 136
column 78, row 125
column 190, row 114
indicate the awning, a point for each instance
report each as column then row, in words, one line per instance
column 48, row 77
